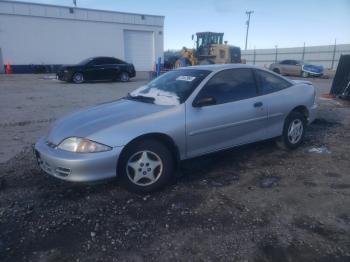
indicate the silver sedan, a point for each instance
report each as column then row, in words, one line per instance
column 182, row 114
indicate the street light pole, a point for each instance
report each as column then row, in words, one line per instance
column 248, row 22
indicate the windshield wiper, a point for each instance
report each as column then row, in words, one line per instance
column 146, row 99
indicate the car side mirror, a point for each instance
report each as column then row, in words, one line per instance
column 205, row 101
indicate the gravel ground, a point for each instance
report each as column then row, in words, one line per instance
column 29, row 103
column 253, row 203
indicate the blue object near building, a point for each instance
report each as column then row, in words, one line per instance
column 158, row 66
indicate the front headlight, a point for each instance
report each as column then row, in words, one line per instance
column 65, row 71
column 82, row 145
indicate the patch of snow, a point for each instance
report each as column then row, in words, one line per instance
column 160, row 97
column 319, row 150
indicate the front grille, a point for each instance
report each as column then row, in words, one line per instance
column 49, row 168
column 60, row 171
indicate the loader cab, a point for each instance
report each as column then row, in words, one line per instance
column 206, row 39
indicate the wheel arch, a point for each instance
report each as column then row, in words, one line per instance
column 303, row 110
column 124, row 71
column 161, row 137
column 276, row 70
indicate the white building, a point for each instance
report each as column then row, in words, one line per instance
column 43, row 34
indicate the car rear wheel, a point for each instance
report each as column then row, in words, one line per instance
column 124, row 77
column 304, row 74
column 276, row 70
column 146, row 166
column 78, row 78
column 293, row 131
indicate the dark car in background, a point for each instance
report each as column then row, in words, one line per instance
column 296, row 68
column 97, row 69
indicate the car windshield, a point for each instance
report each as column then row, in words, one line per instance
column 172, row 88
column 85, row 61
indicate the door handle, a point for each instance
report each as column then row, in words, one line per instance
column 258, row 104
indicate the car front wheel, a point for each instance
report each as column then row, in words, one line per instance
column 146, row 166
column 304, row 74
column 293, row 131
column 78, row 78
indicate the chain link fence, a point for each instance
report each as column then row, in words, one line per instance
column 327, row 55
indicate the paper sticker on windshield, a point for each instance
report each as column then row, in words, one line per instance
column 186, row 78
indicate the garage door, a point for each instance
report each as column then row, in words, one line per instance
column 139, row 49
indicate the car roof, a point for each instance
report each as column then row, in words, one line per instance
column 95, row 57
column 219, row 67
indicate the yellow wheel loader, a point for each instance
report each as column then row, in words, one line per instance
column 210, row 49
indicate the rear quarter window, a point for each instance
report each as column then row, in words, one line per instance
column 118, row 61
column 269, row 83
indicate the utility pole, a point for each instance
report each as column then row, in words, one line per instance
column 247, row 23
column 75, row 3
column 334, row 50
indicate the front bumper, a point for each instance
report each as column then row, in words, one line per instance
column 312, row 73
column 77, row 167
column 64, row 76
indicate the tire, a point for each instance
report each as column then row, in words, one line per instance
column 78, row 78
column 276, row 70
column 304, row 74
column 124, row 77
column 146, row 166
column 290, row 139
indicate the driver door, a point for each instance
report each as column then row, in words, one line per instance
column 295, row 68
column 95, row 70
column 235, row 116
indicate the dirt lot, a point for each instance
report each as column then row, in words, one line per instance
column 254, row 203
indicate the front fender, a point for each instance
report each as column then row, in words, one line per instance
column 170, row 122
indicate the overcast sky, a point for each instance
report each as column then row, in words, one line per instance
column 274, row 22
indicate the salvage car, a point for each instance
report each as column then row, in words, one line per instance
column 296, row 68
column 97, row 69
column 182, row 114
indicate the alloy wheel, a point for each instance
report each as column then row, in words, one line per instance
column 78, row 78
column 304, row 74
column 295, row 131
column 144, row 168
column 124, row 77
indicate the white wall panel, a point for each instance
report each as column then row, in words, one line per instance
column 55, row 36
column 139, row 49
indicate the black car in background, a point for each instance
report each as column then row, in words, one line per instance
column 97, row 69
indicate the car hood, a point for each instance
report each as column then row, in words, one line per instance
column 87, row 122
